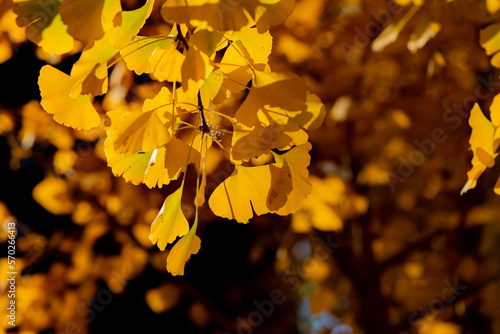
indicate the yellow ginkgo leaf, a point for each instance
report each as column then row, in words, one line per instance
column 132, row 167
column 140, row 49
column 157, row 56
column 170, row 222
column 212, row 90
column 126, row 25
column 166, row 64
column 252, row 141
column 294, row 181
column 89, row 74
column 313, row 114
column 44, row 25
column 247, row 48
column 273, row 98
column 134, row 131
column 162, row 168
column 78, row 113
column 53, row 194
column 269, row 13
column 220, row 15
column 181, row 252
column 207, row 41
column 154, row 168
column 88, row 27
column 481, row 142
column 278, row 188
column 195, row 69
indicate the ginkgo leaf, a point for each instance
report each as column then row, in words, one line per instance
column 140, row 50
column 188, row 245
column 278, row 188
column 274, row 97
column 481, row 142
column 90, row 73
column 220, row 15
column 132, row 167
column 247, row 48
column 207, row 41
column 170, row 222
column 134, row 131
column 153, row 168
column 44, row 25
column 295, row 181
column 141, row 131
column 78, row 113
column 89, row 26
column 195, row 68
column 251, row 142
column 127, row 24
column 157, row 56
column 166, row 64
column 162, row 168
column 269, row 13
column 313, row 114
column 212, row 90
column 265, row 120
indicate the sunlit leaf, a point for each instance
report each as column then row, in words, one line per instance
column 44, row 25
column 188, row 245
column 220, row 15
column 170, row 222
column 135, row 131
column 77, row 112
column 195, row 68
column 269, row 13
column 89, row 26
column 279, row 187
column 162, row 168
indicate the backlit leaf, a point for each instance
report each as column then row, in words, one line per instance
column 77, row 113
column 278, row 188
column 89, row 26
column 220, row 15
column 44, row 25
column 188, row 245
column 170, row 222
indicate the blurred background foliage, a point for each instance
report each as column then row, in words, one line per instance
column 384, row 244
